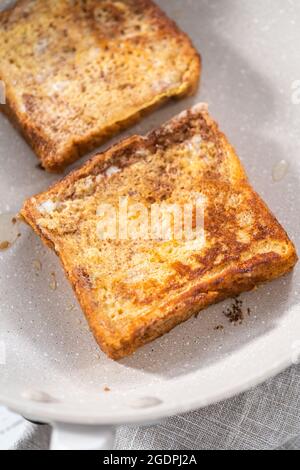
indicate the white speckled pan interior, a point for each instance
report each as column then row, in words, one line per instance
column 50, row 367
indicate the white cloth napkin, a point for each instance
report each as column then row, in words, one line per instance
column 267, row 417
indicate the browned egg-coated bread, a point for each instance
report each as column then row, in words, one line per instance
column 78, row 71
column 133, row 291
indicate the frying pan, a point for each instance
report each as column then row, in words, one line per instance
column 51, row 370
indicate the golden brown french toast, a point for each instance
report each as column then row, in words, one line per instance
column 134, row 290
column 78, row 71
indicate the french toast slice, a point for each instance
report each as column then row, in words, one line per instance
column 78, row 71
column 135, row 290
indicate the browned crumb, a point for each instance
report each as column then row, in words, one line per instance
column 71, row 307
column 17, row 218
column 53, row 282
column 37, row 265
column 5, row 245
column 219, row 328
column 235, row 313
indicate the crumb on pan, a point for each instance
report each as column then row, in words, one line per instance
column 53, row 282
column 235, row 312
column 5, row 245
column 219, row 328
column 37, row 265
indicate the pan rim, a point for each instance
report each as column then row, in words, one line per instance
column 50, row 413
